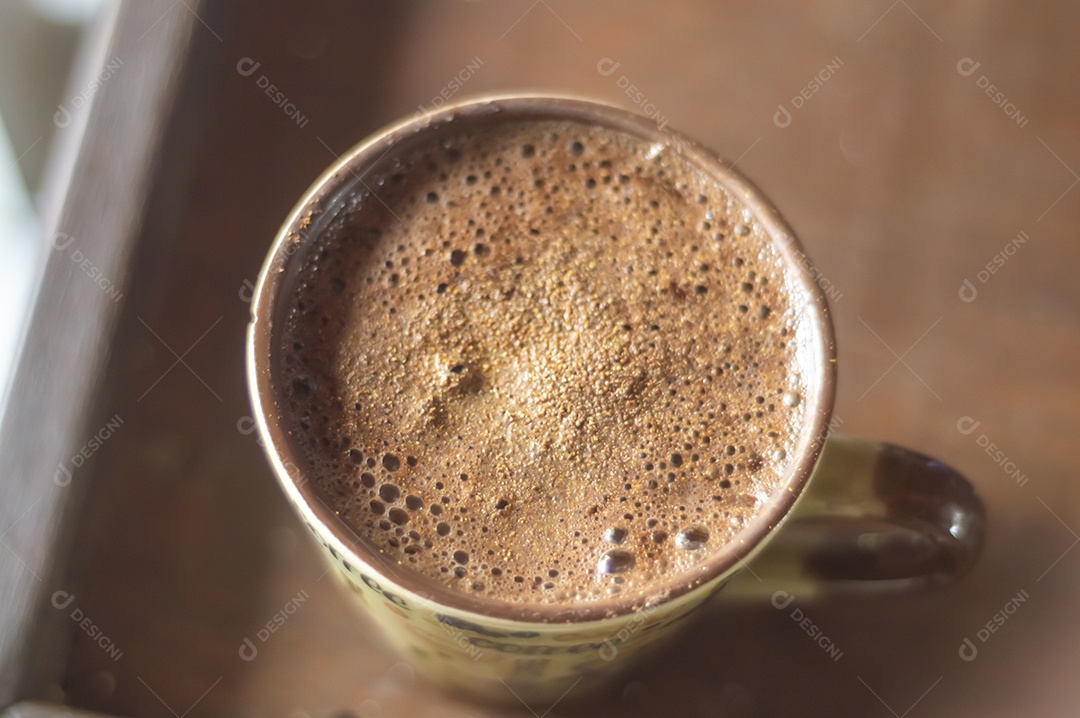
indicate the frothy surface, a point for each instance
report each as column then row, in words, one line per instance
column 543, row 361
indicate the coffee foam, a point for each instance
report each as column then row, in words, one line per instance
column 543, row 361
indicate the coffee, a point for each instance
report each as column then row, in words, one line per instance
column 542, row 361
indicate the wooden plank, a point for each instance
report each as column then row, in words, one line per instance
column 130, row 70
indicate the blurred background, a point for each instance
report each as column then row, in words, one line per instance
column 38, row 39
column 927, row 153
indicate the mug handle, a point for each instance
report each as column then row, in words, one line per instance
column 874, row 516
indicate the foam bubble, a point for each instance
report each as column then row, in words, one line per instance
column 553, row 350
column 616, row 560
column 692, row 538
column 615, row 534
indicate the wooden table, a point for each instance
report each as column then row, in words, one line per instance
column 914, row 146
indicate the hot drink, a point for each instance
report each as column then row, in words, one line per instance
column 540, row 361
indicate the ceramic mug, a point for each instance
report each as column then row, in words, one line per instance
column 849, row 511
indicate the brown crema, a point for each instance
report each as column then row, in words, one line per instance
column 542, row 361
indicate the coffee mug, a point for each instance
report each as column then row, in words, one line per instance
column 850, row 512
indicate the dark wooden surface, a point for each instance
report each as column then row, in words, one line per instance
column 900, row 174
column 91, row 215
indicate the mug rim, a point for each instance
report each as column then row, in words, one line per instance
column 340, row 178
